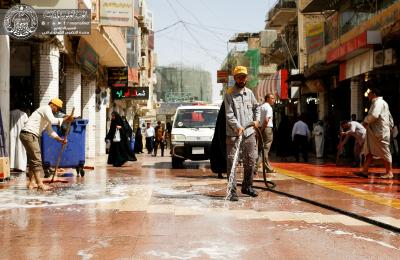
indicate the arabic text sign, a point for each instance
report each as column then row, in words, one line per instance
column 132, row 93
column 50, row 21
column 64, row 21
column 116, row 12
column 117, row 77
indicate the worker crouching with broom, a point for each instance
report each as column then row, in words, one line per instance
column 42, row 118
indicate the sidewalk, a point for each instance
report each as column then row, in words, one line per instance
column 345, row 179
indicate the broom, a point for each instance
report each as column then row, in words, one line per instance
column 63, row 146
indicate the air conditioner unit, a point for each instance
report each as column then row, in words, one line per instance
column 389, row 57
column 378, row 59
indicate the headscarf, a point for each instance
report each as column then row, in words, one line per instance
column 114, row 122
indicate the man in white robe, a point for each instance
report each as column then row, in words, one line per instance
column 18, row 159
column 356, row 130
column 319, row 139
column 378, row 123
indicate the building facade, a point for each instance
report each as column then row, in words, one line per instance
column 71, row 67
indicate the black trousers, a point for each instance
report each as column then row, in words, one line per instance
column 161, row 144
column 149, row 144
column 300, row 145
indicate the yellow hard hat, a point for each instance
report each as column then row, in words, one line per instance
column 239, row 70
column 58, row 102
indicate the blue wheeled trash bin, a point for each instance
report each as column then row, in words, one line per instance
column 74, row 152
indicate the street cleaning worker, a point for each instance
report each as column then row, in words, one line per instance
column 241, row 109
column 42, row 118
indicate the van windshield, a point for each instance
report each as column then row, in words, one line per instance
column 196, row 118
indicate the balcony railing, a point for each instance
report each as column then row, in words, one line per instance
column 281, row 4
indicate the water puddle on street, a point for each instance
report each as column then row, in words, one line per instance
column 20, row 197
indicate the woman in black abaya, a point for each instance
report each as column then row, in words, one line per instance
column 119, row 150
column 129, row 132
column 138, row 140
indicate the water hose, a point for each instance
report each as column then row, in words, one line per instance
column 270, row 186
column 232, row 175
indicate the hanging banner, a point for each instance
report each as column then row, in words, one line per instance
column 87, row 58
column 222, row 76
column 116, row 13
column 133, row 76
column 315, row 37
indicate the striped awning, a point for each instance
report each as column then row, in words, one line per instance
column 275, row 84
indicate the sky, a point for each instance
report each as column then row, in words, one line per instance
column 195, row 33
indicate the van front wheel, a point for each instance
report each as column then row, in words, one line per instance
column 177, row 163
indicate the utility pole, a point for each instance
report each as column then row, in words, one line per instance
column 181, row 83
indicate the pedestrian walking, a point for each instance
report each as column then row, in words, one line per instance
column 241, row 110
column 284, row 139
column 138, row 140
column 130, row 138
column 42, row 118
column 168, row 131
column 356, row 130
column 300, row 137
column 378, row 123
column 218, row 144
column 159, row 138
column 149, row 134
column 119, row 150
column 266, row 125
column 319, row 139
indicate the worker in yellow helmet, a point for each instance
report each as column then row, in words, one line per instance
column 241, row 110
column 42, row 118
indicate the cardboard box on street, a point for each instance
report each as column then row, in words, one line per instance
column 4, row 168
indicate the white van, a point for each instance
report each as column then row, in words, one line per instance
column 192, row 133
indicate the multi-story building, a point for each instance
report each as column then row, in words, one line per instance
column 140, row 63
column 72, row 67
column 182, row 84
column 354, row 47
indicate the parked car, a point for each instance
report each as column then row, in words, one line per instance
column 192, row 132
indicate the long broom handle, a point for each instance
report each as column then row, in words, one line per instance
column 63, row 146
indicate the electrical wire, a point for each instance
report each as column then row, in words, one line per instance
column 168, row 27
column 174, row 39
column 199, row 30
column 210, row 10
column 199, row 21
column 192, row 36
column 214, row 27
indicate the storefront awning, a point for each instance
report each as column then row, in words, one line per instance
column 313, row 86
column 320, row 70
column 109, row 44
column 275, row 84
column 357, row 65
column 354, row 47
